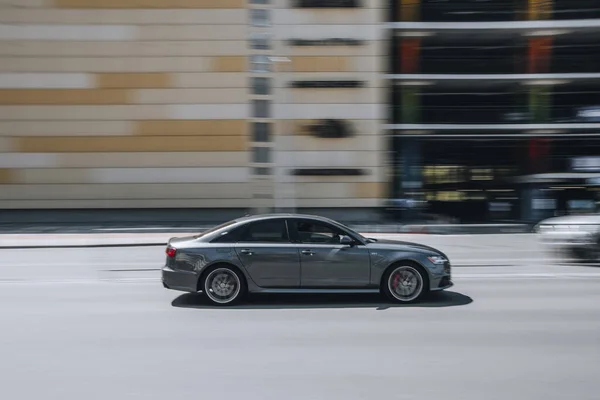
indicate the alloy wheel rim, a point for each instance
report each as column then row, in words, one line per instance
column 405, row 283
column 222, row 285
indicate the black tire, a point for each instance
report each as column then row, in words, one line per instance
column 409, row 271
column 223, row 285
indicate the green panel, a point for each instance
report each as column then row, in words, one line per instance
column 540, row 103
column 411, row 105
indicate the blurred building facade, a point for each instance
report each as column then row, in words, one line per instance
column 235, row 104
column 483, row 110
column 495, row 106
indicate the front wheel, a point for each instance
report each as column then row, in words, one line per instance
column 404, row 284
column 224, row 286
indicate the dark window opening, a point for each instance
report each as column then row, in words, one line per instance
column 580, row 56
column 271, row 231
column 473, row 57
column 575, row 9
column 467, row 10
column 261, row 131
column 463, row 106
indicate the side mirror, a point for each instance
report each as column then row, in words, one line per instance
column 346, row 240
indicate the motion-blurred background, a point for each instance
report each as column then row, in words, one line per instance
column 406, row 110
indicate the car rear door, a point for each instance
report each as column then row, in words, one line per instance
column 265, row 250
column 324, row 262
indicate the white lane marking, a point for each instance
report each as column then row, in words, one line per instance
column 75, row 281
column 527, row 275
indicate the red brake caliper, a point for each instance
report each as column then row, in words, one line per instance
column 396, row 281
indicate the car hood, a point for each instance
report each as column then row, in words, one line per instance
column 573, row 219
column 386, row 244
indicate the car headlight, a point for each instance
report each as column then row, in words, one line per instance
column 437, row 260
column 540, row 228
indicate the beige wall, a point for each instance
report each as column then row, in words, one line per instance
column 145, row 103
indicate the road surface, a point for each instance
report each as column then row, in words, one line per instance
column 71, row 331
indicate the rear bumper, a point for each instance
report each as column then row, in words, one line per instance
column 576, row 244
column 184, row 281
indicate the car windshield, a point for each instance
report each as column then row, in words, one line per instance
column 216, row 228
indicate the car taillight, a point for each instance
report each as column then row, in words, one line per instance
column 171, row 251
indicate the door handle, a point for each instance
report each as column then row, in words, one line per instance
column 247, row 252
column 307, row 252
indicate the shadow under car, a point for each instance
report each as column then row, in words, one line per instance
column 320, row 301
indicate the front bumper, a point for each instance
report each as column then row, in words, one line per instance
column 568, row 241
column 443, row 279
column 444, row 283
column 184, row 281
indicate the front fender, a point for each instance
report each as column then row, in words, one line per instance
column 381, row 261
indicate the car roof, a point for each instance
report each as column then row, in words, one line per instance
column 258, row 217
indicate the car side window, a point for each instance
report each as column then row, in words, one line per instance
column 318, row 233
column 270, row 231
column 229, row 236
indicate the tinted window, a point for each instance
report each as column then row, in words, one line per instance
column 318, row 233
column 261, row 86
column 216, row 228
column 229, row 236
column 261, row 154
column 260, row 17
column 260, row 41
column 260, row 63
column 261, row 132
column 261, row 108
column 272, row 231
column 262, row 171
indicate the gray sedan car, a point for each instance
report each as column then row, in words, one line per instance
column 290, row 253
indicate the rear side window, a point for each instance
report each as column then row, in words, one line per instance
column 270, row 231
column 231, row 236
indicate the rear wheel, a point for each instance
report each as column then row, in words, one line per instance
column 404, row 283
column 224, row 285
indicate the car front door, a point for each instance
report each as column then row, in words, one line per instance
column 265, row 250
column 324, row 262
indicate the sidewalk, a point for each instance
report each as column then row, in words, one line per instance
column 65, row 240
column 195, row 221
column 180, row 228
column 98, row 236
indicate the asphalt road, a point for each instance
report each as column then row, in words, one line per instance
column 70, row 331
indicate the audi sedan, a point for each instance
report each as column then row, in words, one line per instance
column 291, row 253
